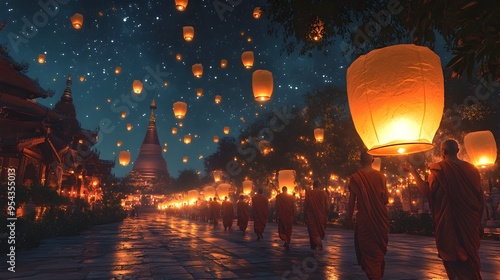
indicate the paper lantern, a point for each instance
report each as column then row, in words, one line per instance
column 124, row 158
column 217, row 175
column 118, row 70
column 188, row 32
column 119, row 143
column 41, row 58
column 286, row 178
column 180, row 124
column 77, row 21
column 247, row 187
column 192, row 196
column 377, row 163
column 257, row 12
column 481, row 148
column 265, row 147
column 317, row 30
column 199, row 92
column 123, row 114
column 181, row 5
column 226, row 130
column 262, row 85
column 129, row 126
column 187, row 139
column 319, row 134
column 216, row 139
column 218, row 98
column 396, row 99
column 208, row 192
column 82, row 78
column 174, row 130
column 180, row 109
column 247, row 59
column 165, row 149
column 249, row 39
column 223, row 63
column 137, row 86
column 185, row 159
column 197, row 70
column 178, row 57
column 223, row 191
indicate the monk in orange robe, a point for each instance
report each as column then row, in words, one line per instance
column 228, row 213
column 457, row 204
column 242, row 213
column 368, row 188
column 285, row 212
column 260, row 212
column 316, row 210
column 215, row 209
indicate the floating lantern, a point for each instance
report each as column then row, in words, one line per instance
column 223, row 63
column 223, row 191
column 199, row 92
column 124, row 114
column 257, row 12
column 185, row 159
column 377, row 163
column 286, row 178
column 82, row 78
column 208, row 192
column 396, row 99
column 249, row 39
column 129, row 126
column 188, row 32
column 226, row 130
column 181, row 5
column 192, row 196
column 119, row 143
column 174, row 130
column 317, row 30
column 319, row 134
column 118, row 70
column 247, row 187
column 197, row 70
column 262, row 85
column 481, row 148
column 178, row 57
column 180, row 109
column 247, row 59
column 77, row 21
column 217, row 175
column 187, row 139
column 164, row 149
column 124, row 158
column 216, row 139
column 137, row 86
column 218, row 98
column 180, row 124
column 265, row 147
column 41, row 58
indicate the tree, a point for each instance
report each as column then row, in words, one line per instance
column 188, row 179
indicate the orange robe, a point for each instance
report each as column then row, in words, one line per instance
column 457, row 204
column 228, row 212
column 316, row 210
column 372, row 221
column 215, row 211
column 242, row 213
column 260, row 212
column 285, row 210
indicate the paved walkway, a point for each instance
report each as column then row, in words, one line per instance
column 155, row 246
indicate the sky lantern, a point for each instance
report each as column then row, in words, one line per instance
column 197, row 70
column 41, row 58
column 402, row 85
column 257, row 12
column 226, row 130
column 119, row 143
column 262, row 85
column 199, row 92
column 192, row 196
column 180, row 124
column 216, row 139
column 187, row 139
column 319, row 134
column 123, row 114
column 124, row 158
column 137, row 86
column 77, row 21
column 178, row 57
column 118, row 70
column 377, row 163
column 174, row 130
column 223, row 63
column 208, row 192
column 188, row 32
column 247, row 59
column 181, row 5
column 247, row 187
column 217, row 175
column 223, row 191
column 165, row 149
column 184, row 159
column 481, row 148
column 317, row 30
column 82, row 78
column 129, row 126
column 265, row 147
column 180, row 109
column 217, row 99
column 286, row 178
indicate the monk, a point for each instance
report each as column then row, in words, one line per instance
column 215, row 208
column 260, row 212
column 228, row 214
column 285, row 213
column 242, row 213
column 368, row 187
column 316, row 210
column 456, row 202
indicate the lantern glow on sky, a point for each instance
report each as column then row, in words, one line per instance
column 199, row 92
column 187, row 139
column 216, row 139
column 223, row 191
column 247, row 59
column 286, row 178
column 174, row 130
column 262, row 85
column 226, row 130
column 192, row 196
column 129, row 126
column 118, row 70
column 180, row 109
column 185, row 159
column 247, row 187
column 217, row 99
column 217, row 175
column 124, row 158
column 188, row 32
column 208, row 192
column 396, row 99
column 223, row 63
column 137, row 86
column 257, row 12
column 319, row 135
column 197, row 70
column 181, row 5
column 119, row 143
column 77, row 20
column 481, row 148
column 41, row 58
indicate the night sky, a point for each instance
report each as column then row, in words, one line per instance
column 143, row 39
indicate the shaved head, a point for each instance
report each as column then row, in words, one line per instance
column 366, row 159
column 449, row 148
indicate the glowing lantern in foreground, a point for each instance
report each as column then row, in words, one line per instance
column 208, row 192
column 192, row 196
column 77, row 20
column 226, row 130
column 217, row 175
column 257, row 12
column 185, row 159
column 124, row 158
column 187, row 139
column 286, row 178
column 188, row 32
column 181, row 5
column 118, row 70
column 199, row 92
column 180, row 109
column 129, row 126
column 197, row 70
column 377, row 163
column 403, row 88
column 119, row 143
column 319, row 134
column 223, row 63
column 41, row 58
column 137, row 86
column 262, row 85
column 481, row 148
column 216, row 139
column 247, row 187
column 223, row 191
column 247, row 59
column 218, row 98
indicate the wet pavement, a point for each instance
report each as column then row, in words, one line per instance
column 156, row 246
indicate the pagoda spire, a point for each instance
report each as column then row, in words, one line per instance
column 67, row 92
column 152, row 117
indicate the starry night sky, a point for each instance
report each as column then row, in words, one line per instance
column 143, row 38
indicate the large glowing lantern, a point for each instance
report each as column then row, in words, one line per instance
column 396, row 99
column 41, row 58
column 124, row 158
column 137, row 86
column 217, row 99
column 119, row 143
column 247, row 59
column 377, row 163
column 180, row 109
column 226, row 130
column 223, row 63
column 217, row 175
column 118, row 70
column 192, row 196
column 129, row 126
column 286, row 178
column 257, row 12
column 187, row 139
column 174, row 130
column 197, row 70
column 184, row 159
column 77, row 21
column 319, row 134
column 188, row 32
column 208, row 192
column 181, row 5
column 247, row 187
column 199, row 92
column 481, row 148
column 223, row 190
column 262, row 85
column 216, row 139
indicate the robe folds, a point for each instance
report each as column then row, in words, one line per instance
column 316, row 210
column 242, row 213
column 285, row 209
column 456, row 201
column 260, row 211
column 372, row 221
column 228, row 213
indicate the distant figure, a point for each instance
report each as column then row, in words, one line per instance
column 285, row 213
column 228, row 213
column 215, row 208
column 368, row 187
column 316, row 210
column 210, row 214
column 457, row 204
column 242, row 213
column 260, row 205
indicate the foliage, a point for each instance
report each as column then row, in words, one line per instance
column 187, row 180
column 402, row 222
